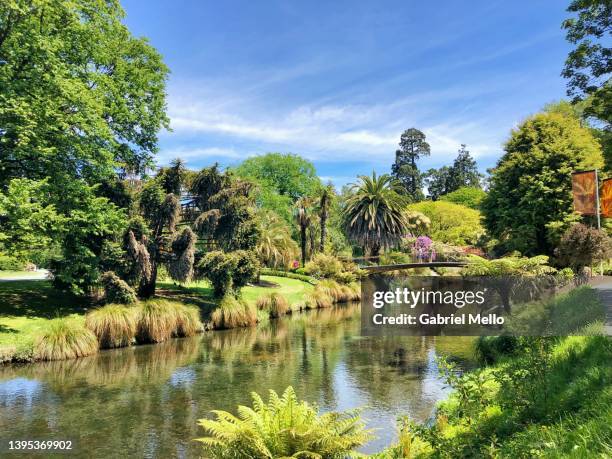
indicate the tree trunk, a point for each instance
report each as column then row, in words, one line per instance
column 147, row 287
column 303, row 241
column 324, row 205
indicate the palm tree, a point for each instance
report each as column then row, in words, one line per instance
column 374, row 213
column 303, row 217
column 275, row 248
column 324, row 204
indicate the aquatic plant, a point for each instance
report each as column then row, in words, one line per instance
column 114, row 325
column 64, row 338
column 283, row 427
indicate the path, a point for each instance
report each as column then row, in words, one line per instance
column 603, row 284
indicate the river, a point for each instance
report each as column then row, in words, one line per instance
column 145, row 401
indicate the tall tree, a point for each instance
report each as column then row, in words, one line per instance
column 374, row 213
column 438, row 182
column 80, row 95
column 529, row 203
column 303, row 218
column 327, row 193
column 412, row 146
column 462, row 173
column 588, row 66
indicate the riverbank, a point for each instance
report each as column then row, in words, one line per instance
column 28, row 306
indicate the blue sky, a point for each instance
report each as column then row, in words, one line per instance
column 338, row 81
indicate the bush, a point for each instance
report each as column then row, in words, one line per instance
column 114, row 325
column 490, row 349
column 324, row 266
column 228, row 272
column 582, row 246
column 466, row 196
column 275, row 303
column 188, row 321
column 283, row 427
column 317, row 299
column 8, row 263
column 451, row 223
column 156, row 321
column 65, row 339
column 233, row 313
column 289, row 275
column 117, row 290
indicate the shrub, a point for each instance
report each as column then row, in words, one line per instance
column 117, row 290
column 228, row 272
column 317, row 299
column 490, row 349
column 283, row 427
column 467, row 196
column 275, row 303
column 188, row 321
column 156, row 321
column 582, row 246
column 451, row 223
column 8, row 263
column 65, row 339
column 324, row 266
column 114, row 325
column 233, row 313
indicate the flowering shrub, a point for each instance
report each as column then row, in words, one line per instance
column 423, row 249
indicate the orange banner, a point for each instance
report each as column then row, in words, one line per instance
column 584, row 188
column 605, row 198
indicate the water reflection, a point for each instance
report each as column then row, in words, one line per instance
column 145, row 401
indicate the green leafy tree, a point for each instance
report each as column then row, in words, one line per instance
column 288, row 174
column 466, row 196
column 374, row 213
column 80, row 95
column 27, row 220
column 412, row 146
column 450, row 223
column 283, row 428
column 303, row 218
column 275, row 248
column 438, row 182
column 462, row 173
column 529, row 203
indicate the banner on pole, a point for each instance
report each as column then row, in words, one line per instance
column 606, row 198
column 584, row 189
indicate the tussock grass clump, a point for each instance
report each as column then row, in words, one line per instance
column 355, row 290
column 156, row 322
column 332, row 289
column 188, row 321
column 65, row 339
column 318, row 299
column 275, row 303
column 114, row 325
column 233, row 313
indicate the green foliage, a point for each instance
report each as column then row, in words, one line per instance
column 507, row 266
column 27, row 220
column 287, row 174
column 233, row 312
column 324, row 266
column 467, row 196
column 80, row 95
column 180, row 267
column 117, row 290
column 412, row 146
column 462, row 173
column 529, row 404
column 64, row 338
column 374, row 213
column 582, row 246
column 114, row 325
column 274, row 303
column 450, row 223
column 283, row 427
column 228, row 272
column 275, row 248
column 8, row 263
column 529, row 203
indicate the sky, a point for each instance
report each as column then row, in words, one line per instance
column 337, row 82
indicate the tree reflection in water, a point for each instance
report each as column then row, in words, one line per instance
column 144, row 401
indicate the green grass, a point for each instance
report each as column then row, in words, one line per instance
column 14, row 274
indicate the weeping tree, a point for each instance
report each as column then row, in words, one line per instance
column 180, row 266
column 374, row 213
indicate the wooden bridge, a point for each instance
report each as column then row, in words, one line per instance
column 433, row 264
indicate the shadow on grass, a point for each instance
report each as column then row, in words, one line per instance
column 38, row 298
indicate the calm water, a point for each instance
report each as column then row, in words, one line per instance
column 145, row 401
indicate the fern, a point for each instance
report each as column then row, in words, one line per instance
column 283, row 428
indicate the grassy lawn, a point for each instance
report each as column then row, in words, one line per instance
column 16, row 274
column 26, row 306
